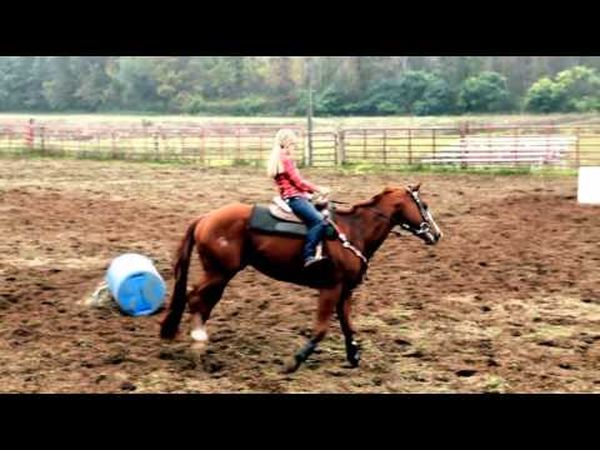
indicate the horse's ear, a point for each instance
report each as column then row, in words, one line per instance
column 415, row 188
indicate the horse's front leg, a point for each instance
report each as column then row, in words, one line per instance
column 328, row 299
column 343, row 312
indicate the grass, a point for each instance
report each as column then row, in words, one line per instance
column 495, row 384
column 389, row 121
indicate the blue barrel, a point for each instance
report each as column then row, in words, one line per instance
column 135, row 284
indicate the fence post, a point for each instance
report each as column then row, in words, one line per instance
column 145, row 138
column 201, row 148
column 182, row 139
column 156, row 144
column 30, row 134
column 311, row 149
column 364, row 144
column 239, row 145
column 342, row 147
column 463, row 146
column 73, row 135
column 165, row 145
column 385, row 147
column 221, row 148
column 335, row 149
column 260, row 148
column 43, row 138
column 433, row 144
column 114, row 145
column 577, row 149
column 410, row 159
column 548, row 143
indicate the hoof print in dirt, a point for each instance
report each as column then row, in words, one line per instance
column 128, row 386
column 548, row 343
column 465, row 372
column 116, row 357
column 211, row 366
column 415, row 354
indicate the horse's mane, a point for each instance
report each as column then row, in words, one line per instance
column 370, row 202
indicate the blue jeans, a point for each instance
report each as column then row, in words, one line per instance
column 314, row 220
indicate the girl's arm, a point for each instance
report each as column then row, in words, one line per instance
column 295, row 177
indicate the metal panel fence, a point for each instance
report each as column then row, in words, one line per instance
column 209, row 146
column 464, row 146
column 217, row 145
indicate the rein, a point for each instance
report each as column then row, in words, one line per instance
column 424, row 226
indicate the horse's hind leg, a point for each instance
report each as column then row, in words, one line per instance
column 202, row 299
column 328, row 299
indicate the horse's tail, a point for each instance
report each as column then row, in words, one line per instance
column 170, row 323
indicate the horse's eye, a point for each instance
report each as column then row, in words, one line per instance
column 425, row 205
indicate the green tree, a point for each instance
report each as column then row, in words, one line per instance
column 573, row 90
column 412, row 92
column 582, row 89
column 93, row 83
column 485, row 92
column 545, row 96
column 137, row 84
column 61, row 86
column 21, row 84
column 437, row 99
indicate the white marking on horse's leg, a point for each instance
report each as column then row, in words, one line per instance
column 199, row 334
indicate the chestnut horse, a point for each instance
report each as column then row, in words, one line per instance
column 226, row 245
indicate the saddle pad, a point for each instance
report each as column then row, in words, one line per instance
column 262, row 220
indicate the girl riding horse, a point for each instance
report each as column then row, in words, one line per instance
column 295, row 191
column 226, row 244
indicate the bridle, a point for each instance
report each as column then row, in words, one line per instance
column 427, row 222
column 425, row 225
column 423, row 228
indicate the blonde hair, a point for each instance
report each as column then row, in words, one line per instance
column 283, row 139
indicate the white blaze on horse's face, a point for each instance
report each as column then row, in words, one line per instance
column 434, row 230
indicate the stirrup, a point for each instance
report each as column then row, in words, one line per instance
column 313, row 260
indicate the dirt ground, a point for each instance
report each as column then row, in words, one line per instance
column 509, row 301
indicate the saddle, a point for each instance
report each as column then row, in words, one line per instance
column 278, row 218
column 281, row 210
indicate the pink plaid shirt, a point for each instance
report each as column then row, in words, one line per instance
column 290, row 183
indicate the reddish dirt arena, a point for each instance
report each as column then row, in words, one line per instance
column 509, row 300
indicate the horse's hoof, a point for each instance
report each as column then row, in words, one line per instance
column 353, row 357
column 291, row 366
column 354, row 360
column 198, row 347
